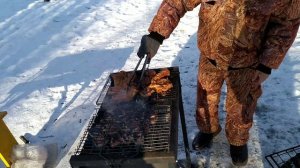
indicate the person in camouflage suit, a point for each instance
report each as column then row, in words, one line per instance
column 240, row 42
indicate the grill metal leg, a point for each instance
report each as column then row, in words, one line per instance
column 184, row 131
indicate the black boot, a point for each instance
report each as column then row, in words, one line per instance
column 204, row 140
column 239, row 155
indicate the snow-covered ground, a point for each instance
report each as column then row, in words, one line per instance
column 55, row 58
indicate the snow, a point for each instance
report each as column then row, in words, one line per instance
column 56, row 56
column 29, row 156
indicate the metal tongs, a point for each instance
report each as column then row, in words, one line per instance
column 144, row 68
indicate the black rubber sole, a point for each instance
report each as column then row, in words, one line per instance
column 208, row 145
column 239, row 155
column 244, row 163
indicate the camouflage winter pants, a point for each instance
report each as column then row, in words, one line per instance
column 241, row 99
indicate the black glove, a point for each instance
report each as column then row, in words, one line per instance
column 264, row 69
column 150, row 44
column 263, row 73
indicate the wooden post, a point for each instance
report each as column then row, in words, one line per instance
column 7, row 141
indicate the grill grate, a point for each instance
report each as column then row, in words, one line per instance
column 170, row 95
column 159, row 134
column 108, row 127
column 288, row 158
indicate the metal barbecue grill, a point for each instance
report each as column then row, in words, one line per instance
column 288, row 158
column 153, row 143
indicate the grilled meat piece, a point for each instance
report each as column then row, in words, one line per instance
column 160, row 84
column 162, row 74
column 153, row 82
column 160, row 89
column 122, row 90
column 119, row 94
column 149, row 74
column 121, row 79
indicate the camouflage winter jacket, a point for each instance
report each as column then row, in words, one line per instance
column 236, row 33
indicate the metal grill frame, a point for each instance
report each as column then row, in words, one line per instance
column 151, row 151
column 278, row 159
